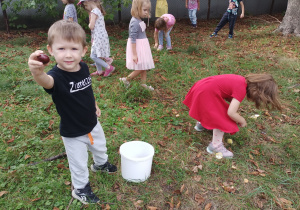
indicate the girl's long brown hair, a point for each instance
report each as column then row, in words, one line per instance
column 263, row 91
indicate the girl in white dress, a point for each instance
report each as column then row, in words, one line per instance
column 100, row 50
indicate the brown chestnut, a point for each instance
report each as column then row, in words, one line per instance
column 43, row 58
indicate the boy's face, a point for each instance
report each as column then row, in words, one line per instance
column 67, row 54
column 64, row 1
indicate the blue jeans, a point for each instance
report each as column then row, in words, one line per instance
column 161, row 37
column 192, row 16
column 99, row 63
column 227, row 17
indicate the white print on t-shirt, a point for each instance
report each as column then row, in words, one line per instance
column 80, row 85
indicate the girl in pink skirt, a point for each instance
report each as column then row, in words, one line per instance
column 138, row 51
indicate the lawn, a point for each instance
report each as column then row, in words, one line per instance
column 264, row 174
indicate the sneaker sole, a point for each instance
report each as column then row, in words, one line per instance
column 197, row 129
column 211, row 152
column 78, row 198
column 103, row 171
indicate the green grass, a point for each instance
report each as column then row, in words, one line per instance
column 266, row 151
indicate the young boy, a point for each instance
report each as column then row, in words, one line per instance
column 230, row 16
column 70, row 86
column 193, row 6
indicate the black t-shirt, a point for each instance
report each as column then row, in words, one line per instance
column 74, row 100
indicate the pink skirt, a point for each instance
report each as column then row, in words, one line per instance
column 143, row 50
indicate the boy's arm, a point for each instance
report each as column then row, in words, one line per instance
column 98, row 111
column 70, row 19
column 92, row 23
column 243, row 9
column 186, row 3
column 37, row 70
column 198, row 5
column 234, row 115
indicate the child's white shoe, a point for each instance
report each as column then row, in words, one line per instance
column 125, row 82
column 226, row 153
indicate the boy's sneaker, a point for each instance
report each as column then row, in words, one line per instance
column 226, row 153
column 125, row 82
column 199, row 127
column 230, row 36
column 160, row 47
column 107, row 167
column 109, row 71
column 213, row 35
column 85, row 195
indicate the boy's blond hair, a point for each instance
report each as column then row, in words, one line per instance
column 67, row 30
column 136, row 7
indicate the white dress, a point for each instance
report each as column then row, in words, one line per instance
column 100, row 40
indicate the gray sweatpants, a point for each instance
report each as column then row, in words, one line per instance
column 77, row 153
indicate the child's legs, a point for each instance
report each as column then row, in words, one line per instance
column 217, row 137
column 168, row 38
column 143, row 76
column 99, row 63
column 98, row 148
column 222, row 22
column 193, row 16
column 134, row 74
column 190, row 15
column 161, row 37
column 232, row 19
column 77, row 154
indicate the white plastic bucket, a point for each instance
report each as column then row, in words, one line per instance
column 136, row 160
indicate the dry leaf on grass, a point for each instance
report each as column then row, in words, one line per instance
column 2, row 193
column 151, row 208
column 138, row 203
column 208, row 206
column 199, row 199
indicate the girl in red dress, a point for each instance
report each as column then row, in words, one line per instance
column 207, row 103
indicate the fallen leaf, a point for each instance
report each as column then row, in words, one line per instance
column 171, row 203
column 36, row 199
column 151, row 208
column 199, row 199
column 138, row 203
column 67, row 183
column 197, row 178
column 2, row 193
column 161, row 143
column 27, row 156
column 11, row 140
column 208, row 206
column 246, row 181
column 182, row 187
column 178, row 205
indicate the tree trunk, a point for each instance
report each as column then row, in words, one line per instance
column 208, row 10
column 291, row 20
column 5, row 17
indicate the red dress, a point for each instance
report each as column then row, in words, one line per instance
column 206, row 100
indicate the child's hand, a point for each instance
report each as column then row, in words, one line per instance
column 35, row 66
column 135, row 59
column 156, row 45
column 242, row 15
column 98, row 111
column 242, row 123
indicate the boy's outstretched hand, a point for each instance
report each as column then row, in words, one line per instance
column 37, row 70
column 34, row 64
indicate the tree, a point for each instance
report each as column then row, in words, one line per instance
column 291, row 20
